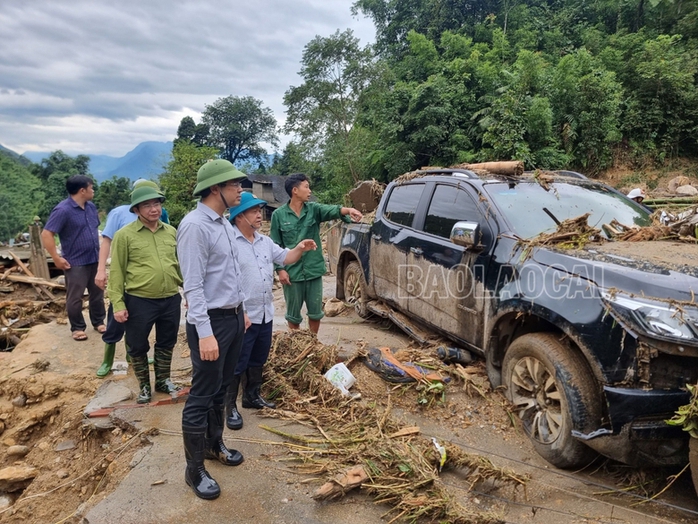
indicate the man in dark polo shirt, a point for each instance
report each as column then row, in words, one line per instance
column 75, row 221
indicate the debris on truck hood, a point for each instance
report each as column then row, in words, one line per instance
column 364, row 446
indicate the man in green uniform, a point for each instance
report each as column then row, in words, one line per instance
column 297, row 220
column 144, row 289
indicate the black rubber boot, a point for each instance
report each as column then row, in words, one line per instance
column 215, row 447
column 108, row 361
column 234, row 419
column 196, row 475
column 251, row 397
column 163, row 384
column 142, row 372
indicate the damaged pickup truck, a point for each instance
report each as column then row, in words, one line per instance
column 594, row 344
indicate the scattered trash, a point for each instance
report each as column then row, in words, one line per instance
column 384, row 362
column 341, row 378
column 442, row 452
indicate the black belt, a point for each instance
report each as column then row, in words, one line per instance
column 225, row 312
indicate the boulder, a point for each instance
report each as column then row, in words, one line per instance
column 333, row 307
column 16, row 478
column 687, row 190
column 678, row 182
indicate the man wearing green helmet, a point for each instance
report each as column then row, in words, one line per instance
column 144, row 289
column 216, row 321
column 117, row 218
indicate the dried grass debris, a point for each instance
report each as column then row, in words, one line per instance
column 401, row 467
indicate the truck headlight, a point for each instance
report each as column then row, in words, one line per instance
column 656, row 319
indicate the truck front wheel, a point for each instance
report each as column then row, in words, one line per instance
column 550, row 387
column 355, row 288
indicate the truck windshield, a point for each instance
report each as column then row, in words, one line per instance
column 524, row 206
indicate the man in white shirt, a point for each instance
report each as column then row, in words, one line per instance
column 257, row 255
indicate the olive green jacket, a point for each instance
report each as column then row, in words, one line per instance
column 287, row 229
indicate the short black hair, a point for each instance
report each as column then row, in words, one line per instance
column 294, row 180
column 77, row 182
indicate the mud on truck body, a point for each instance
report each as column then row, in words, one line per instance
column 594, row 345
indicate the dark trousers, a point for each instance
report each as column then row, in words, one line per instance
column 255, row 347
column 115, row 330
column 143, row 314
column 210, row 378
column 77, row 279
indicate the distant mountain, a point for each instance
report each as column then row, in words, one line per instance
column 146, row 160
column 14, row 156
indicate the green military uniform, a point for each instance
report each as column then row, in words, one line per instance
column 287, row 230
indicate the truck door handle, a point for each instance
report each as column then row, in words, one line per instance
column 376, row 237
column 417, row 251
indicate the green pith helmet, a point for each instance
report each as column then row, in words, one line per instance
column 216, row 172
column 142, row 182
column 143, row 193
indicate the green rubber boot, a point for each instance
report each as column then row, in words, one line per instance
column 108, row 362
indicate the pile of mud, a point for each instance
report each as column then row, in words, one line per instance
column 54, row 467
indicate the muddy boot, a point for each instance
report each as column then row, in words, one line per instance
column 163, row 384
column 234, row 419
column 251, row 397
column 108, row 361
column 196, row 475
column 215, row 447
column 142, row 372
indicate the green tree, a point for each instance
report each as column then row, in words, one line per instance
column 113, row 192
column 323, row 109
column 53, row 173
column 191, row 131
column 20, row 197
column 238, row 126
column 179, row 179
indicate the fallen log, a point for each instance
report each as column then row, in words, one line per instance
column 33, row 280
column 511, row 167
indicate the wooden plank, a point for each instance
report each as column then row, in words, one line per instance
column 33, row 280
column 38, row 256
column 21, row 264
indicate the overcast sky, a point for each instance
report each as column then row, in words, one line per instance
column 99, row 77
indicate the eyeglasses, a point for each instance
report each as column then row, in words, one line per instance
column 231, row 184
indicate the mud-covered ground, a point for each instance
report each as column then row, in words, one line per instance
column 71, row 466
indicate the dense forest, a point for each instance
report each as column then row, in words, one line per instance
column 558, row 84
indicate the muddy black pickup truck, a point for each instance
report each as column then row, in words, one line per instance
column 594, row 345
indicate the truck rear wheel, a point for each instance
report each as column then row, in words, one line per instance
column 550, row 387
column 355, row 288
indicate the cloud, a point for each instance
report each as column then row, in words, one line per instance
column 99, row 77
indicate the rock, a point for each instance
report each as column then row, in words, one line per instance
column 17, row 451
column 687, row 190
column 2, row 427
column 65, row 445
column 5, row 501
column 43, row 445
column 34, row 390
column 16, row 478
column 678, row 182
column 108, row 394
column 62, row 474
column 20, row 401
column 334, row 307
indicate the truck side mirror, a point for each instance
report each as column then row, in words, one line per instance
column 466, row 234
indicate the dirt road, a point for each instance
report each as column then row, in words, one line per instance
column 131, row 470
